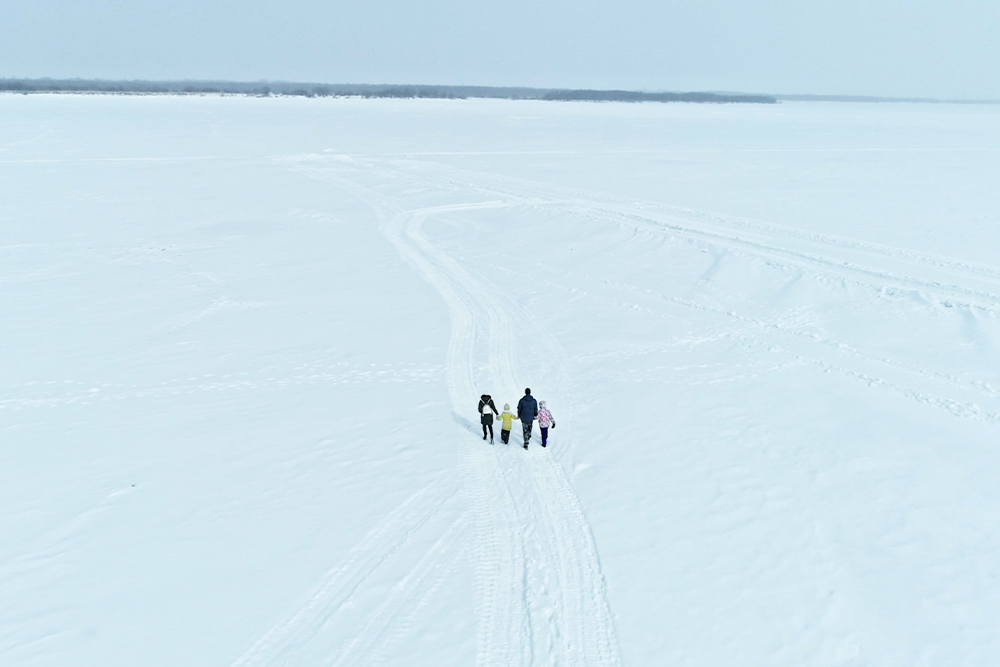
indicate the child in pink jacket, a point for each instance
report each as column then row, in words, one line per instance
column 545, row 421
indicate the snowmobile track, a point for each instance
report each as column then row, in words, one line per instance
column 304, row 629
column 952, row 284
column 527, row 506
column 582, row 630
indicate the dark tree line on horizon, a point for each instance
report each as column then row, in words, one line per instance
column 264, row 89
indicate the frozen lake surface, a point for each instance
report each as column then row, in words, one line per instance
column 243, row 342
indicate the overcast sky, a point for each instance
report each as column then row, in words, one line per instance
column 935, row 48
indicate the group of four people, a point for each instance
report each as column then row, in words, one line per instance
column 528, row 410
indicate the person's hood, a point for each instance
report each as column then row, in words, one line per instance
column 541, row 404
column 506, row 406
column 485, row 397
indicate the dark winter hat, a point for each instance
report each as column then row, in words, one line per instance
column 527, row 392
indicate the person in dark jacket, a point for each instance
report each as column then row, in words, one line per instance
column 527, row 411
column 487, row 408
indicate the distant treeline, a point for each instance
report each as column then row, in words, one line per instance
column 361, row 90
column 634, row 96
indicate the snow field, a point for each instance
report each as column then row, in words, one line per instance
column 249, row 335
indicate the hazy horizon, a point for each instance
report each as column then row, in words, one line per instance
column 782, row 48
column 458, row 89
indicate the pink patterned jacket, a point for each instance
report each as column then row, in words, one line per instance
column 544, row 417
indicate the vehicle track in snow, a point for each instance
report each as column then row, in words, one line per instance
column 503, row 628
column 954, row 286
column 949, row 285
column 311, row 631
column 383, row 627
column 964, row 283
column 564, row 618
column 541, row 594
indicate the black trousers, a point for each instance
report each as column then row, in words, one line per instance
column 489, row 426
column 504, row 436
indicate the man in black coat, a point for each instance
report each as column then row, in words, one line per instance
column 527, row 411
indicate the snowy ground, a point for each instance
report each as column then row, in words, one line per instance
column 243, row 341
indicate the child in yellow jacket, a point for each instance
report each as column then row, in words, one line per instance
column 506, row 419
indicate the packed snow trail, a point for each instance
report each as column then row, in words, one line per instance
column 541, row 593
column 532, row 493
column 581, row 631
column 500, row 559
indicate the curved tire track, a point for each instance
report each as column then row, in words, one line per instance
column 530, row 504
column 582, row 631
